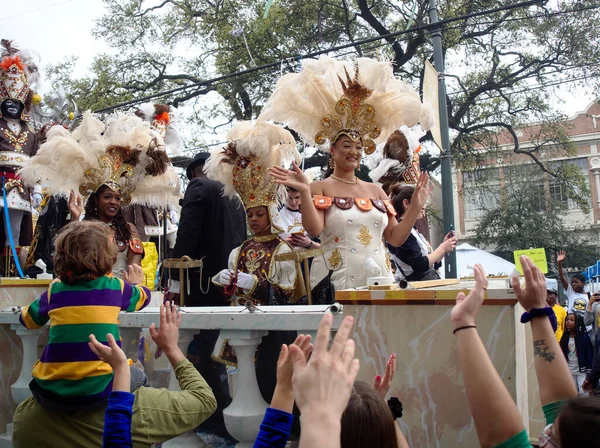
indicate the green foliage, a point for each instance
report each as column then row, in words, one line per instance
column 498, row 64
column 527, row 219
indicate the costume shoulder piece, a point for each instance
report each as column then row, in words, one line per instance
column 243, row 165
column 123, row 153
column 324, row 101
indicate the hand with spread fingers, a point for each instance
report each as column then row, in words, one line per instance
column 294, row 178
column 465, row 311
column 325, row 382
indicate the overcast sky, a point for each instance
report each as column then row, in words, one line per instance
column 56, row 29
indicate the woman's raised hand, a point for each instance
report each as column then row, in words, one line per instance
column 466, row 308
column 382, row 385
column 75, row 205
column 533, row 294
column 294, row 178
column 422, row 191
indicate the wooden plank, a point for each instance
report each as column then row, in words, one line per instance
column 433, row 283
column 14, row 282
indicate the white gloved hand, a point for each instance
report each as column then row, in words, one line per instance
column 372, row 267
column 225, row 276
column 36, row 200
column 245, row 281
column 173, row 216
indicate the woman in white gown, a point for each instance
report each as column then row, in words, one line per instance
column 352, row 217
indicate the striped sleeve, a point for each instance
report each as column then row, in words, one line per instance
column 135, row 297
column 35, row 315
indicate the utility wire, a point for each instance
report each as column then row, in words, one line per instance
column 424, row 27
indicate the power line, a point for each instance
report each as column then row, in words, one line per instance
column 34, row 10
column 438, row 25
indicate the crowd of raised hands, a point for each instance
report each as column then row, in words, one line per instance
column 338, row 411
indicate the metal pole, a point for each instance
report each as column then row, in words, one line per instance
column 447, row 196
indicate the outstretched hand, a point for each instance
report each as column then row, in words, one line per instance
column 422, row 191
column 285, row 366
column 562, row 256
column 75, row 205
column 466, row 308
column 113, row 354
column 382, row 385
column 322, row 386
column 294, row 178
column 533, row 294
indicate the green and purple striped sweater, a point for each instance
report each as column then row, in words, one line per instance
column 68, row 368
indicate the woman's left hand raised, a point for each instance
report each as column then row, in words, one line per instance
column 382, row 385
column 294, row 178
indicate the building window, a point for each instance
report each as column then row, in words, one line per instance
column 558, row 192
column 481, row 191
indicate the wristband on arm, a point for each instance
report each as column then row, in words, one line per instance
column 540, row 312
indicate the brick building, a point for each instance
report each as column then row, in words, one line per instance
column 507, row 167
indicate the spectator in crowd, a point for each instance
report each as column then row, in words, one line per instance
column 559, row 311
column 158, row 414
column 117, row 419
column 416, row 260
column 577, row 299
column 591, row 317
column 577, row 348
column 291, row 220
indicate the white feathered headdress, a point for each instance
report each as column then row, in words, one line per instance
column 400, row 161
column 124, row 154
column 324, row 101
column 243, row 166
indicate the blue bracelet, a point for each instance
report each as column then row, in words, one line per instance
column 540, row 312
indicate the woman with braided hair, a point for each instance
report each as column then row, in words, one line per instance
column 105, row 205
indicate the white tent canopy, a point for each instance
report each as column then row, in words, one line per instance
column 467, row 255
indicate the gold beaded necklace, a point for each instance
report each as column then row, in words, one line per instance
column 339, row 179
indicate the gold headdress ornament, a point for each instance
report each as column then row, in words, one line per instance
column 319, row 105
column 243, row 165
column 125, row 154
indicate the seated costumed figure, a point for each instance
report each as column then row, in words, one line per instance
column 252, row 274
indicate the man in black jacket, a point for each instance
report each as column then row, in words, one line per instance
column 210, row 227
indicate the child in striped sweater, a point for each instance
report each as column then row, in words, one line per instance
column 86, row 299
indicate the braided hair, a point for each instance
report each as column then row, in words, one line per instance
column 122, row 230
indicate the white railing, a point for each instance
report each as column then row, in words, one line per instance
column 244, row 329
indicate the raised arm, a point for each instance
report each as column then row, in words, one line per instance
column 495, row 414
column 551, row 368
column 397, row 232
column 313, row 220
column 562, row 256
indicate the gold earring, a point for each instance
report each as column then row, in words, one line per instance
column 331, row 163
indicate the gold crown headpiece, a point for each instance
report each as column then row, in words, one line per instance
column 243, row 166
column 112, row 171
column 353, row 116
column 323, row 101
column 251, row 180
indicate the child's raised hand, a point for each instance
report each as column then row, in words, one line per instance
column 112, row 354
column 134, row 274
column 562, row 256
column 285, row 366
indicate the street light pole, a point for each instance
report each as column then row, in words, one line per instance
column 447, row 196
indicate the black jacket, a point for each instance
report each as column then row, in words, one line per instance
column 410, row 253
column 210, row 227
